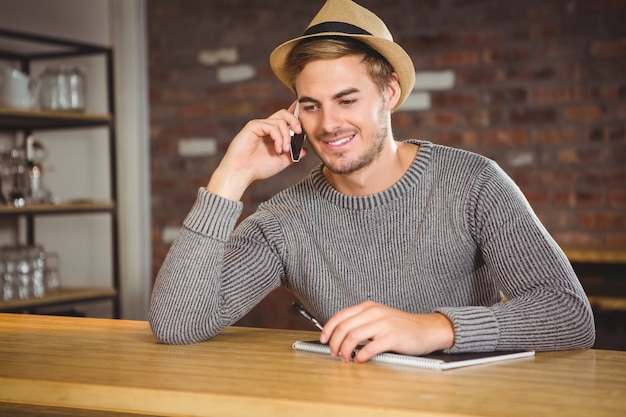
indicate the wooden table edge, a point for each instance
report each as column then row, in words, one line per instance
column 155, row 402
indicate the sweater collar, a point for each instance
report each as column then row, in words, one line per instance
column 409, row 180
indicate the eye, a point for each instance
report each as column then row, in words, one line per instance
column 347, row 101
column 310, row 107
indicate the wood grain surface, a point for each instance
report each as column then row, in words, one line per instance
column 79, row 366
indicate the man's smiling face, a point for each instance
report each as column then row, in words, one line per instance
column 343, row 112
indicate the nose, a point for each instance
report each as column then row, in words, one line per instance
column 331, row 119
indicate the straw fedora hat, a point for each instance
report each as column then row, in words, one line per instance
column 346, row 18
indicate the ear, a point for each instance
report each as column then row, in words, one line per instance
column 393, row 91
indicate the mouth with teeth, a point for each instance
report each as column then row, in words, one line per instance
column 339, row 142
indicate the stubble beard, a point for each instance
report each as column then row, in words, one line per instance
column 341, row 165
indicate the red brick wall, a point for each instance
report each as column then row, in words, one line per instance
column 539, row 86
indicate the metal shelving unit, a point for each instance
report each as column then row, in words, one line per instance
column 27, row 48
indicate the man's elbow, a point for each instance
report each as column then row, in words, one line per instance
column 583, row 329
column 588, row 333
column 166, row 331
column 179, row 330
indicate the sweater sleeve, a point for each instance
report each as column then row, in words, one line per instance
column 205, row 283
column 545, row 306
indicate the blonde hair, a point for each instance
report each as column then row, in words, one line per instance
column 333, row 47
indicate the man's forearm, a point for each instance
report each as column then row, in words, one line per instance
column 227, row 184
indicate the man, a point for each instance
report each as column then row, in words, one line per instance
column 411, row 246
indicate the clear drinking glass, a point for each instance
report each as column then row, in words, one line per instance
column 6, row 287
column 52, row 272
column 37, row 260
column 24, row 289
column 62, row 88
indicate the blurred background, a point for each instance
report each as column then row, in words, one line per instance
column 539, row 86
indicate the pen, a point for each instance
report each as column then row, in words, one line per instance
column 308, row 315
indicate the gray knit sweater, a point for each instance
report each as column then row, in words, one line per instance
column 453, row 235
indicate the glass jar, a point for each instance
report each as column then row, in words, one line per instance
column 62, row 88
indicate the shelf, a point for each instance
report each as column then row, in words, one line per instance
column 24, row 49
column 595, row 255
column 62, row 296
column 79, row 206
column 23, row 45
column 12, row 118
column 607, row 303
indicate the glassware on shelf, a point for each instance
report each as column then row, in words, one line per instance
column 37, row 260
column 7, row 285
column 19, row 183
column 5, row 176
column 21, row 171
column 17, row 89
column 52, row 280
column 35, row 190
column 62, row 88
column 27, row 272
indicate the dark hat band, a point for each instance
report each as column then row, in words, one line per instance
column 338, row 27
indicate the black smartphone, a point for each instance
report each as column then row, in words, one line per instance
column 297, row 141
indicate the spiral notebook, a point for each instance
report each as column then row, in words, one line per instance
column 438, row 360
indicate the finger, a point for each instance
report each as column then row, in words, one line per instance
column 351, row 329
column 345, row 314
column 292, row 125
column 285, row 137
column 362, row 333
column 292, row 107
column 288, row 116
column 336, row 320
column 268, row 129
column 294, row 121
column 278, row 131
column 371, row 349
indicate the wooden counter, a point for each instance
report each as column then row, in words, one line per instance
column 602, row 272
column 97, row 367
column 595, row 255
